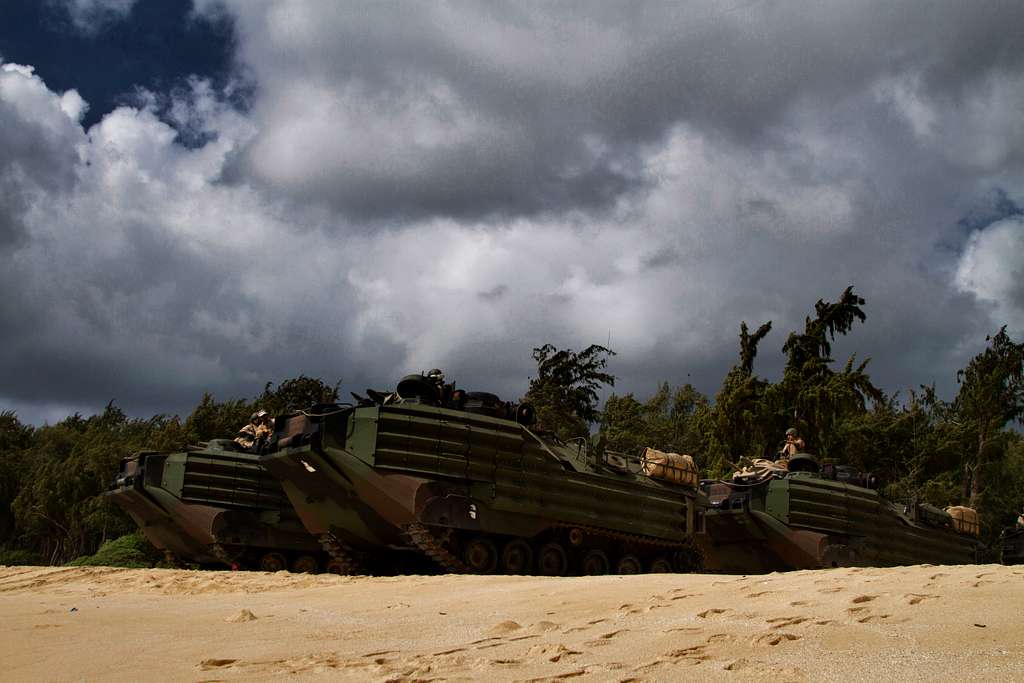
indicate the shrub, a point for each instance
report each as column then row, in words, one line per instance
column 21, row 557
column 131, row 550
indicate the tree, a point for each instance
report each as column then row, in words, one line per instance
column 298, row 393
column 564, row 393
column 991, row 396
column 15, row 438
column 751, row 414
column 666, row 421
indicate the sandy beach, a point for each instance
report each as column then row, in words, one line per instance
column 919, row 623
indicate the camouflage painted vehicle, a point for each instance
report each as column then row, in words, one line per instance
column 1011, row 545
column 215, row 505
column 813, row 517
column 475, row 490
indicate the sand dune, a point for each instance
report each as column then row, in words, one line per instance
column 907, row 623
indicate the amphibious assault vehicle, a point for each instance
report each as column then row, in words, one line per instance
column 471, row 487
column 215, row 504
column 813, row 517
column 1011, row 545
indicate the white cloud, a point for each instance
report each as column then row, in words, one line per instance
column 992, row 268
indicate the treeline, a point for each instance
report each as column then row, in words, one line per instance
column 964, row 451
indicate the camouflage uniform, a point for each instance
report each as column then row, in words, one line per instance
column 260, row 427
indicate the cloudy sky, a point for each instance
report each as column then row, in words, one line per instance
column 211, row 195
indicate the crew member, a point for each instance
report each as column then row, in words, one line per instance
column 794, row 444
column 259, row 429
column 443, row 392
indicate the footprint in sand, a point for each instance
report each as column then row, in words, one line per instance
column 857, row 610
column 873, row 617
column 780, row 622
column 721, row 638
column 711, row 612
column 684, row 629
column 553, row 653
column 832, row 589
column 863, row 598
column 801, row 603
column 612, row 634
column 917, row 598
column 773, row 638
column 689, row 655
column 757, row 595
column 208, row 664
column 604, row 639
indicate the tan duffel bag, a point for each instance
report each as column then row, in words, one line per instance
column 673, row 467
column 965, row 519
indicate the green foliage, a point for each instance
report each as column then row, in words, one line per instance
column 11, row 558
column 297, row 394
column 131, row 550
column 667, row 421
column 564, row 393
column 751, row 414
column 991, row 396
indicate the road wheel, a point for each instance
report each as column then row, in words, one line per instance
column 552, row 560
column 481, row 556
column 305, row 564
column 517, row 557
column 662, row 565
column 273, row 562
column 629, row 564
column 595, row 563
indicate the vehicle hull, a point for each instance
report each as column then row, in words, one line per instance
column 365, row 476
column 805, row 522
column 213, row 506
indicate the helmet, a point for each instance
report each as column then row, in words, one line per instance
column 436, row 375
column 791, row 431
column 258, row 414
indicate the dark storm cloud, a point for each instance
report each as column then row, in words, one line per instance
column 547, row 108
column 407, row 186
